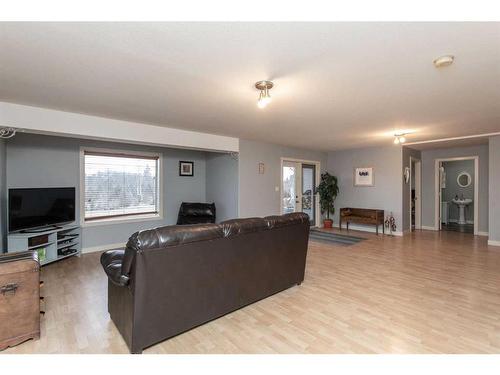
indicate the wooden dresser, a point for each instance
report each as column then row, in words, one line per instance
column 19, row 298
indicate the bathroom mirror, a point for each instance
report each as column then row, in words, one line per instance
column 464, row 179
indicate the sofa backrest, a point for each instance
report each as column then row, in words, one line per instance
column 176, row 235
column 278, row 221
column 167, row 236
column 234, row 227
column 196, row 213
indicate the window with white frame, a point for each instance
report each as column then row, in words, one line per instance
column 120, row 185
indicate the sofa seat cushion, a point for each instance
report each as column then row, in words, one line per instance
column 276, row 221
column 236, row 227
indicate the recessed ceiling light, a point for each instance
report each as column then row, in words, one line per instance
column 443, row 61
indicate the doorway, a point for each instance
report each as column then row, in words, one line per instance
column 457, row 194
column 298, row 181
column 415, row 194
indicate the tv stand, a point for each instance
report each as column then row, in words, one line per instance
column 56, row 242
column 40, row 229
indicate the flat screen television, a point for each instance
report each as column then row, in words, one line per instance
column 40, row 207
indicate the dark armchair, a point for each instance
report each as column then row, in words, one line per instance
column 196, row 213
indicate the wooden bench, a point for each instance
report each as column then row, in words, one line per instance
column 362, row 216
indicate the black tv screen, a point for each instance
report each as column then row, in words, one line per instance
column 38, row 207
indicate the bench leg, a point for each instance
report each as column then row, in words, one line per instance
column 376, row 229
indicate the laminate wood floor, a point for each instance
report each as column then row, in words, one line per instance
column 427, row 292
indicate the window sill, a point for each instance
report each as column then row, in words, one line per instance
column 122, row 220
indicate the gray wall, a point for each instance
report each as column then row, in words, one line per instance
column 428, row 181
column 387, row 192
column 258, row 195
column 407, row 153
column 3, row 185
column 494, row 189
column 452, row 170
column 47, row 161
column 222, row 184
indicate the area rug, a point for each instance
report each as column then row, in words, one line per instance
column 334, row 238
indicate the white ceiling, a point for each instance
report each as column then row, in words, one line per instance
column 337, row 85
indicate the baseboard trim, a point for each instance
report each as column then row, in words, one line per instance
column 493, row 243
column 94, row 249
column 423, row 227
column 485, row 234
column 370, row 229
column 454, row 221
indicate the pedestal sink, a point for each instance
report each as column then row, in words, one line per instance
column 461, row 203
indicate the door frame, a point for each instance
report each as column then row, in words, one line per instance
column 418, row 198
column 297, row 179
column 317, row 179
column 437, row 191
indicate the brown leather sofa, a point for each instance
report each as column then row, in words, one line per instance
column 174, row 278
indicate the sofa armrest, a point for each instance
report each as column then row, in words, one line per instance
column 111, row 262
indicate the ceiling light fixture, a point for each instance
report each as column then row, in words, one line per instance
column 443, row 61
column 399, row 138
column 264, row 97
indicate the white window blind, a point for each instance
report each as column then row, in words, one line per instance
column 120, row 185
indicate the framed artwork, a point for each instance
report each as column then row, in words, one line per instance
column 364, row 177
column 186, row 168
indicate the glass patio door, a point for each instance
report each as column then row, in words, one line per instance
column 308, row 198
column 298, row 189
column 291, row 188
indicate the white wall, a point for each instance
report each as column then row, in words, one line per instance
column 387, row 192
column 47, row 121
column 222, row 184
column 259, row 194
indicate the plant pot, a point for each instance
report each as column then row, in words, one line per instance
column 327, row 223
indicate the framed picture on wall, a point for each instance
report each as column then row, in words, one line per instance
column 186, row 168
column 364, row 176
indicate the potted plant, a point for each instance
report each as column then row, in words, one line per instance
column 327, row 189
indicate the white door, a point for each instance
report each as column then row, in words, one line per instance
column 440, row 194
column 308, row 201
column 418, row 189
column 291, row 187
column 299, row 180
